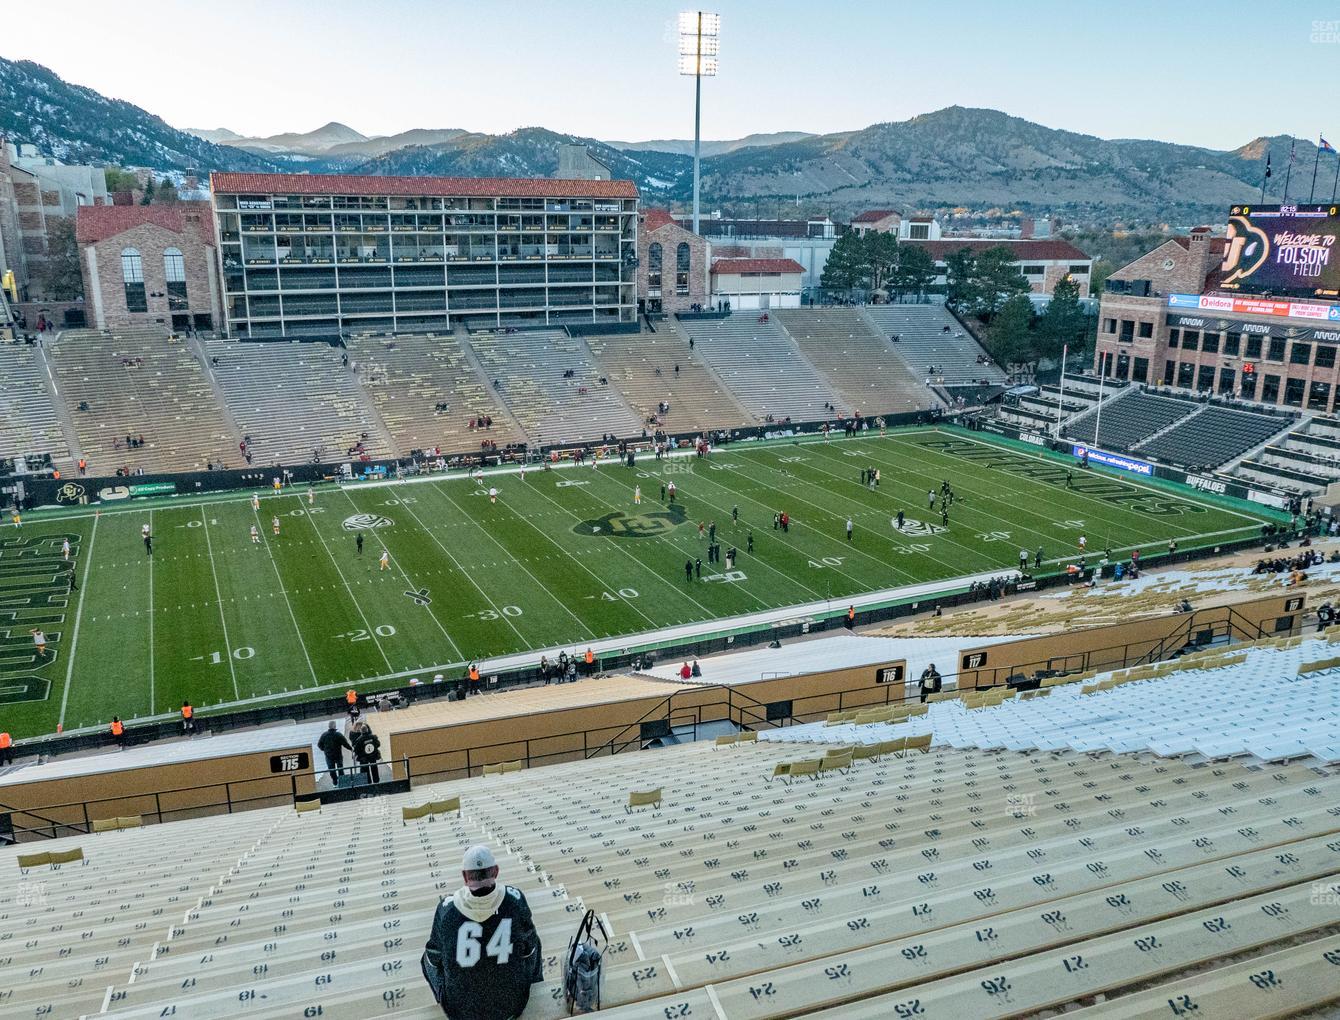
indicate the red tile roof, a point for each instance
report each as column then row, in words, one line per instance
column 95, row 223
column 353, row 184
column 875, row 215
column 654, row 219
column 1024, row 251
column 757, row 266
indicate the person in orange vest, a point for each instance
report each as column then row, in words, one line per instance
column 6, row 749
column 187, row 718
column 851, row 617
column 590, row 658
column 474, row 678
column 83, row 466
column 119, row 731
column 351, row 702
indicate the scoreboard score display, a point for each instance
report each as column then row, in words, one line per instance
column 1282, row 249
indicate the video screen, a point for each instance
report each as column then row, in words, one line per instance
column 1287, row 250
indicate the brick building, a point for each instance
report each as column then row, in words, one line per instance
column 672, row 265
column 149, row 265
column 1162, row 321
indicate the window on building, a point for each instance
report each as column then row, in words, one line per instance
column 1174, row 337
column 1109, row 325
column 1248, row 386
column 1140, row 373
column 1205, row 378
column 1226, row 381
column 1190, row 339
column 1253, row 347
column 1232, row 342
column 1293, row 392
column 682, row 268
column 1127, row 330
column 1079, row 270
column 1169, row 367
column 174, row 270
column 920, row 232
column 1033, row 270
column 1186, row 375
column 1300, row 354
column 132, row 275
column 1319, row 396
column 1210, row 342
column 1325, row 356
column 1270, row 389
column 1276, row 350
column 1146, row 330
column 654, row 256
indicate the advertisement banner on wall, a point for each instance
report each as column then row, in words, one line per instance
column 1115, row 460
column 1226, row 304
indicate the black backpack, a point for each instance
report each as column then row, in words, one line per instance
column 584, row 966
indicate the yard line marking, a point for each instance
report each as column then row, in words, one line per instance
column 517, row 561
column 347, row 587
column 151, row 616
column 78, row 614
column 218, row 594
column 283, row 591
column 450, row 641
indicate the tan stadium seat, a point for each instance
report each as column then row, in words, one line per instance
column 105, row 824
column 493, row 770
column 643, row 798
column 408, row 814
column 446, row 807
column 806, row 767
column 748, row 737
column 512, row 766
column 726, row 740
column 304, row 806
column 66, row 856
column 130, row 822
column 33, row 860
column 780, row 770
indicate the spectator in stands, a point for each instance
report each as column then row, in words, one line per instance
column 367, row 751
column 685, row 671
column 333, row 745
column 6, row 749
column 483, row 953
column 930, row 682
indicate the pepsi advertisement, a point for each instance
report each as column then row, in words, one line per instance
column 1282, row 249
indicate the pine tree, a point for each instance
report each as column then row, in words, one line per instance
column 148, row 191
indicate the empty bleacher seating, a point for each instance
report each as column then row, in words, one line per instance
column 410, row 375
column 294, row 400
column 140, row 382
column 761, row 364
column 1214, row 436
column 529, row 371
column 930, row 337
column 959, row 878
column 642, row 367
column 1128, row 420
column 856, row 361
column 29, row 421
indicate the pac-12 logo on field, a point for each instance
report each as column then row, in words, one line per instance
column 624, row 525
column 918, row 529
column 366, row 522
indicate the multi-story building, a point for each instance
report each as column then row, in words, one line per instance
column 1167, row 319
column 672, row 265
column 808, row 242
column 149, row 265
column 325, row 254
column 35, row 193
column 1043, row 263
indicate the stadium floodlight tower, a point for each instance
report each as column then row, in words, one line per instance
column 699, row 42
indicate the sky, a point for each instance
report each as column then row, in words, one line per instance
column 1176, row 70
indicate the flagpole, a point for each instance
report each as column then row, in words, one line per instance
column 1060, row 397
column 1337, row 177
column 1289, row 171
column 1102, row 375
column 1315, row 162
column 1265, row 177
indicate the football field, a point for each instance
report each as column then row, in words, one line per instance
column 564, row 557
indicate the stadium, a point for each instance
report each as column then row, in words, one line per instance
column 834, row 675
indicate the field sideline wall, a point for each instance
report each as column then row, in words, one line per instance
column 1120, row 644
column 169, row 792
column 449, row 751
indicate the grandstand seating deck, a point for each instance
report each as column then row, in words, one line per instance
column 293, row 399
column 1127, row 421
column 528, row 367
column 642, row 367
column 29, row 421
column 961, row 878
column 760, row 362
column 409, row 375
column 140, row 382
column 856, row 361
column 1214, row 436
column 928, row 335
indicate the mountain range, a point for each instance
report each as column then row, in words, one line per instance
column 953, row 158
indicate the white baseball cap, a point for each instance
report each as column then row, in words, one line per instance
column 478, row 858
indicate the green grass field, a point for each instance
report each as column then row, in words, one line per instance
column 564, row 557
